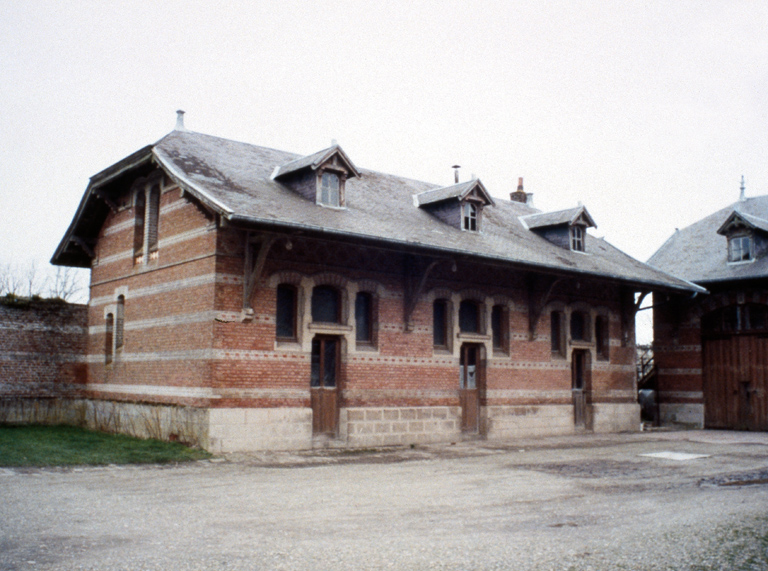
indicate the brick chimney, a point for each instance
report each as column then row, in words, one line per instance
column 519, row 195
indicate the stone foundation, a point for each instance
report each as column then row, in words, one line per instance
column 361, row 427
column 250, row 429
column 222, row 430
column 619, row 417
column 681, row 414
column 525, row 421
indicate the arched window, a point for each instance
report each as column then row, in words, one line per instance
column 153, row 217
column 440, row 322
column 285, row 314
column 119, row 322
column 602, row 339
column 469, row 316
column 364, row 317
column 579, row 326
column 108, row 339
column 556, row 333
column 500, row 327
column 138, row 225
column 326, row 306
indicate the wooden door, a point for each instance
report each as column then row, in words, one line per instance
column 470, row 378
column 580, row 381
column 324, row 383
column 735, row 384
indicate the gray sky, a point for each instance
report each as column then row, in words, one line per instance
column 647, row 112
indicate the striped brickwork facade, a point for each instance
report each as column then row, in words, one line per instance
column 191, row 341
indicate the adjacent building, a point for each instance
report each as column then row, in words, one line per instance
column 711, row 350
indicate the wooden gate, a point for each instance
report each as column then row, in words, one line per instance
column 734, row 358
column 324, row 381
column 735, row 387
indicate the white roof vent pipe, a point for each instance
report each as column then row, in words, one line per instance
column 179, row 121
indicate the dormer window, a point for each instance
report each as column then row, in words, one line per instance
column 329, row 189
column 577, row 238
column 460, row 205
column 320, row 177
column 469, row 217
column 564, row 228
column 740, row 249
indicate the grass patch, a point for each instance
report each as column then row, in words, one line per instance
column 61, row 445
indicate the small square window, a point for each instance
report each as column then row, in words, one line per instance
column 469, row 216
column 329, row 189
column 577, row 238
column 740, row 249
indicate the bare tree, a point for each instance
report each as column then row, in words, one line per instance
column 10, row 283
column 65, row 284
column 34, row 284
column 29, row 280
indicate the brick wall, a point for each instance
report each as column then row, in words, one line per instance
column 42, row 349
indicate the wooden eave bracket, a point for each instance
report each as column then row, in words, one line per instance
column 413, row 289
column 82, row 243
column 253, row 270
column 112, row 206
column 537, row 302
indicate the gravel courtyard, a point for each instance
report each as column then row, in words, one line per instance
column 581, row 502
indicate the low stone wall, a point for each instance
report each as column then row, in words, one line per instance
column 163, row 422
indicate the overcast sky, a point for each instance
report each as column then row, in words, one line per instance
column 647, row 112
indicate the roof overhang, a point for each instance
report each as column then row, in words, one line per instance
column 76, row 247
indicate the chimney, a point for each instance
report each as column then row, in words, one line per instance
column 742, row 197
column 456, row 173
column 519, row 195
column 179, row 121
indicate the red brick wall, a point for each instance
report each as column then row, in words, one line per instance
column 42, row 349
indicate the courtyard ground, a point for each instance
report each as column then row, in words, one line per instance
column 699, row 501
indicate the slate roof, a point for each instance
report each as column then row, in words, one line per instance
column 457, row 191
column 752, row 221
column 314, row 160
column 568, row 216
column 699, row 254
column 234, row 179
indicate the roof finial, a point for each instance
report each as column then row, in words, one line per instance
column 179, row 121
column 742, row 198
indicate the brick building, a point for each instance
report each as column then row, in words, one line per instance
column 711, row 350
column 289, row 301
